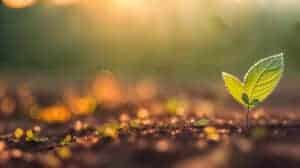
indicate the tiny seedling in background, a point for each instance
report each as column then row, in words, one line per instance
column 259, row 82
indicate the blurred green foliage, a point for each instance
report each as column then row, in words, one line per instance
column 193, row 42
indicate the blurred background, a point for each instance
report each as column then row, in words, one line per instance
column 179, row 40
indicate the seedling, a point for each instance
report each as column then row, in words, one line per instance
column 259, row 82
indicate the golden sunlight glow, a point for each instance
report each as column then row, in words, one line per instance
column 107, row 89
column 79, row 105
column 17, row 4
column 54, row 114
column 129, row 4
column 64, row 2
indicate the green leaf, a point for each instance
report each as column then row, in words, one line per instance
column 255, row 102
column 259, row 82
column 263, row 77
column 235, row 87
column 245, row 98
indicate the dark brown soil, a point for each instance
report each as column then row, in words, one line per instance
column 161, row 139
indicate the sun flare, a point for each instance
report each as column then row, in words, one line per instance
column 17, row 4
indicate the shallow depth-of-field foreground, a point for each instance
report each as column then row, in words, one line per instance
column 105, row 123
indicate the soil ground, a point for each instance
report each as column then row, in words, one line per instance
column 185, row 128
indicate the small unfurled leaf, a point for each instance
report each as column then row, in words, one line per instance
column 259, row 82
column 255, row 102
column 245, row 98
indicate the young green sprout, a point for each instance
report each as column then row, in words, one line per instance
column 259, row 82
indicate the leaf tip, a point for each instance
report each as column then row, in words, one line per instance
column 224, row 74
column 280, row 56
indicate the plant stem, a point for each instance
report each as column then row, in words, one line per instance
column 247, row 119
